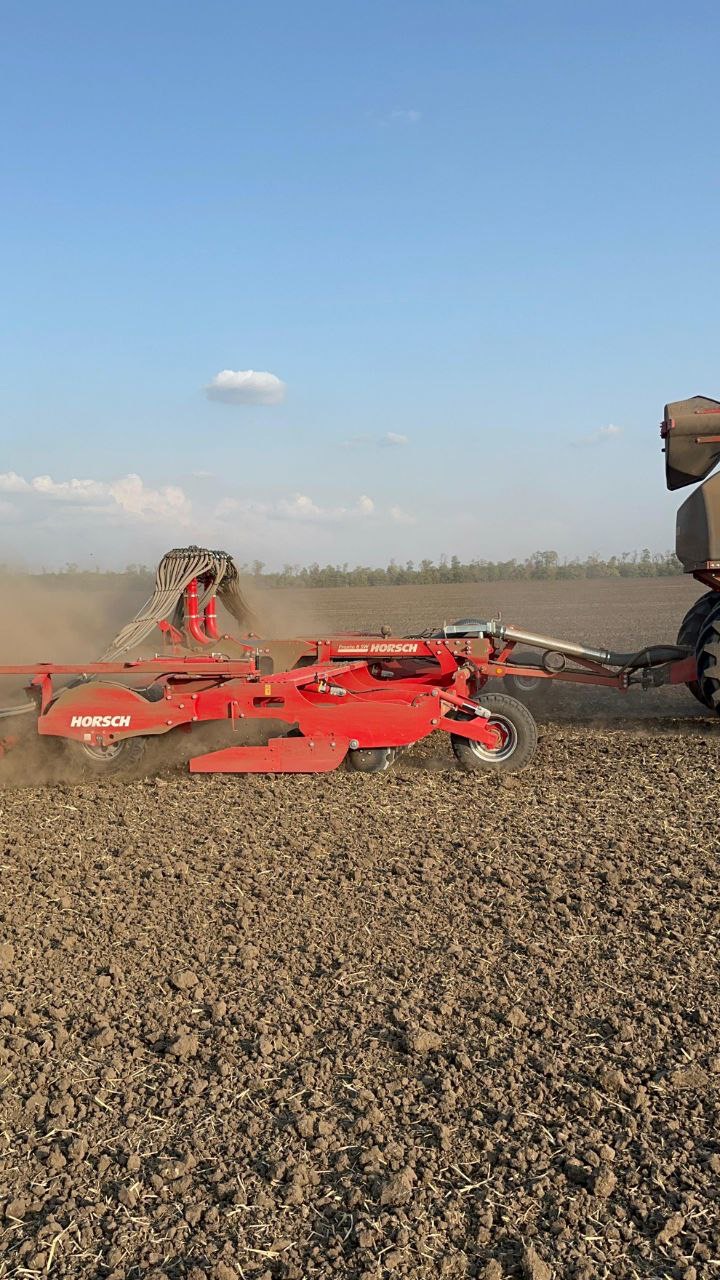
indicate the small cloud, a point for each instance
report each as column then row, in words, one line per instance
column 601, row 436
column 391, row 439
column 11, row 482
column 245, row 386
column 203, row 475
column 398, row 117
column 400, row 516
column 301, row 507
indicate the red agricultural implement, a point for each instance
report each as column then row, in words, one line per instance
column 348, row 697
column 359, row 697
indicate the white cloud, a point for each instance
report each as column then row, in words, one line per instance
column 79, row 507
column 301, row 507
column 400, row 516
column 245, row 386
column 81, row 491
column 602, row 436
column 168, row 503
column 398, row 116
column 11, row 482
column 391, row 440
column 128, row 495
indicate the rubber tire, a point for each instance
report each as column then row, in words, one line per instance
column 689, row 634
column 370, row 759
column 707, row 654
column 525, row 730
column 516, row 690
column 126, row 760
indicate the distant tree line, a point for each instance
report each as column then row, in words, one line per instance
column 544, row 566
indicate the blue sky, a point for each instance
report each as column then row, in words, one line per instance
column 466, row 237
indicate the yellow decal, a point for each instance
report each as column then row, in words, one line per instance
column 268, row 690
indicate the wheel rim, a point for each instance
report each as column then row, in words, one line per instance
column 102, row 754
column 507, row 736
column 372, row 759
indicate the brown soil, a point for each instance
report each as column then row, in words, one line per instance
column 419, row 1024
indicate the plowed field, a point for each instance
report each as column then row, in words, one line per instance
column 416, row 1024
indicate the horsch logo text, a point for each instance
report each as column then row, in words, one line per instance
column 100, row 722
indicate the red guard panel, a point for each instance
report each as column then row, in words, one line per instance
column 281, row 755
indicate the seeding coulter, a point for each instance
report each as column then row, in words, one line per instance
column 359, row 697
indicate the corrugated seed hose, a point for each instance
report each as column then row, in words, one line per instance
column 174, row 573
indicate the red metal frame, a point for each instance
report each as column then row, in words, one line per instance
column 336, row 705
column 347, row 691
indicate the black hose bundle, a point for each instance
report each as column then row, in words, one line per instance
column 216, row 574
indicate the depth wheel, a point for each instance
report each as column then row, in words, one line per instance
column 689, row 634
column 516, row 737
column 370, row 759
column 523, row 687
column 121, row 756
column 707, row 654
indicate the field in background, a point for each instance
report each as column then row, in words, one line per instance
column 50, row 615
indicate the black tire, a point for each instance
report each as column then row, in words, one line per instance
column 524, row 688
column 707, row 654
column 119, row 757
column 689, row 634
column 518, row 741
column 370, row 759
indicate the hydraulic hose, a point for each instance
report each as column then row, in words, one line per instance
column 653, row 655
column 649, row 656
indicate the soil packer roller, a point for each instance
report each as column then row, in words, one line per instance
column 359, row 697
